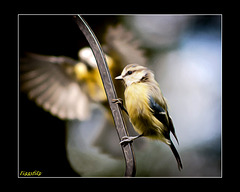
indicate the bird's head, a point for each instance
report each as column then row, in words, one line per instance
column 134, row 73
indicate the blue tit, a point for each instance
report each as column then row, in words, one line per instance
column 61, row 85
column 65, row 87
column 147, row 108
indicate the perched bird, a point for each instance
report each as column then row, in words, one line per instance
column 147, row 108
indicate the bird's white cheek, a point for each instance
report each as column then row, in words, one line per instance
column 128, row 83
column 130, row 80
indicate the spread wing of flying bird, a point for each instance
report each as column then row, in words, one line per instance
column 123, row 46
column 48, row 81
column 65, row 87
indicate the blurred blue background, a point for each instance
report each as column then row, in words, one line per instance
column 185, row 53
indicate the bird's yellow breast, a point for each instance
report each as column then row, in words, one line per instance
column 140, row 113
column 136, row 98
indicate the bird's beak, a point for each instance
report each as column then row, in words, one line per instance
column 119, row 77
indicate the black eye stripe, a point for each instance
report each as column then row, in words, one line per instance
column 129, row 72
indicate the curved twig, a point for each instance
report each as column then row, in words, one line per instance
column 110, row 92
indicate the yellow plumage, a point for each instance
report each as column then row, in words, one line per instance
column 140, row 113
column 147, row 108
column 91, row 79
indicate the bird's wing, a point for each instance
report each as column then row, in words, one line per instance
column 162, row 115
column 158, row 111
column 49, row 83
column 122, row 46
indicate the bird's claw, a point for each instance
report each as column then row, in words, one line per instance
column 128, row 139
column 118, row 101
column 125, row 140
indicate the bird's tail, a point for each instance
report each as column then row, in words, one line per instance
column 174, row 150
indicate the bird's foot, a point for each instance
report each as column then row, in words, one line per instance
column 125, row 140
column 128, row 139
column 119, row 101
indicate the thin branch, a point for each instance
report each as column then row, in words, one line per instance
column 110, row 92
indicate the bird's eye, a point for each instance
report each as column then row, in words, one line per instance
column 129, row 72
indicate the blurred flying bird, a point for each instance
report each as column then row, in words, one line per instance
column 65, row 87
